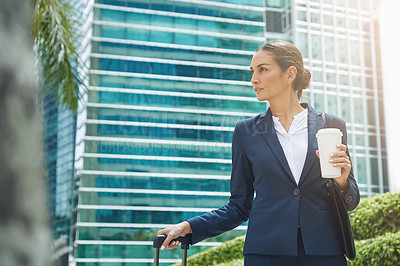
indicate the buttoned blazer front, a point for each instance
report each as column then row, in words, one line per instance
column 264, row 191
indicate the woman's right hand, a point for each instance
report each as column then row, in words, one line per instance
column 172, row 232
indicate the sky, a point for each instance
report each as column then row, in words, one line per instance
column 390, row 44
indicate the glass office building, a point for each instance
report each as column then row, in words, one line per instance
column 340, row 42
column 169, row 79
column 59, row 127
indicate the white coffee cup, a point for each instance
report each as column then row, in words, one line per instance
column 327, row 139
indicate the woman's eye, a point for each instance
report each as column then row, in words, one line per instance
column 263, row 69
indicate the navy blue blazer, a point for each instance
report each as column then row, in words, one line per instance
column 279, row 206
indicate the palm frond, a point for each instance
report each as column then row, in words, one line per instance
column 55, row 35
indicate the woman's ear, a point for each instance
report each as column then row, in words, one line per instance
column 291, row 73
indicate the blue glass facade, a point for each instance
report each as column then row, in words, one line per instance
column 169, row 81
column 59, row 127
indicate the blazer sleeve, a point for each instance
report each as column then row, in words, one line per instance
column 351, row 197
column 237, row 210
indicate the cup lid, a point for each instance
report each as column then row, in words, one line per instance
column 325, row 131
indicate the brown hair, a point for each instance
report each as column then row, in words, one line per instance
column 286, row 55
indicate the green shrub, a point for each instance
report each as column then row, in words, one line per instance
column 376, row 215
column 237, row 262
column 380, row 251
column 228, row 251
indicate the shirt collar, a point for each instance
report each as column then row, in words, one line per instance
column 303, row 114
column 299, row 122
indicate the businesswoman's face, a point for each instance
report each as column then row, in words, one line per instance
column 268, row 80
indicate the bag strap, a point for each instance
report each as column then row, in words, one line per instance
column 327, row 118
column 342, row 219
column 339, row 208
column 324, row 117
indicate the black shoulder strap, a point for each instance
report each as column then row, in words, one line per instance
column 327, row 118
column 342, row 219
column 340, row 210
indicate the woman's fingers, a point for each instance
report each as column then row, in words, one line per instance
column 341, row 153
column 174, row 244
column 338, row 160
column 342, row 147
column 342, row 165
column 163, row 231
column 165, row 244
column 170, row 232
column 173, row 232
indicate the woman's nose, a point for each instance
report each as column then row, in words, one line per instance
column 254, row 79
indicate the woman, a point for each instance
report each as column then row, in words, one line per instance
column 275, row 155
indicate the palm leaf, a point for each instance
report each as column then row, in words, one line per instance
column 55, row 35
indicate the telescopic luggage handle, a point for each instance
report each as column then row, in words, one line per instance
column 185, row 242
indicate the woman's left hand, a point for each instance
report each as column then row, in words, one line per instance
column 340, row 159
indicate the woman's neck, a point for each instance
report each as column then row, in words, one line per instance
column 286, row 108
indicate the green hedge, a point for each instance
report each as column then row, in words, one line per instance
column 237, row 262
column 376, row 228
column 228, row 251
column 380, row 251
column 376, row 216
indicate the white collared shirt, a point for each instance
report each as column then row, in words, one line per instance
column 294, row 142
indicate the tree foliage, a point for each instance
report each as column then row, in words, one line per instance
column 55, row 35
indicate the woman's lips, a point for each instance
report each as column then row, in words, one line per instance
column 258, row 89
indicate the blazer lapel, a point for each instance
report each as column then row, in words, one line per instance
column 265, row 127
column 314, row 123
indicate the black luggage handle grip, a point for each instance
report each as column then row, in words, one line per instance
column 185, row 241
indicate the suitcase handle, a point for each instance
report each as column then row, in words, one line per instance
column 185, row 241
